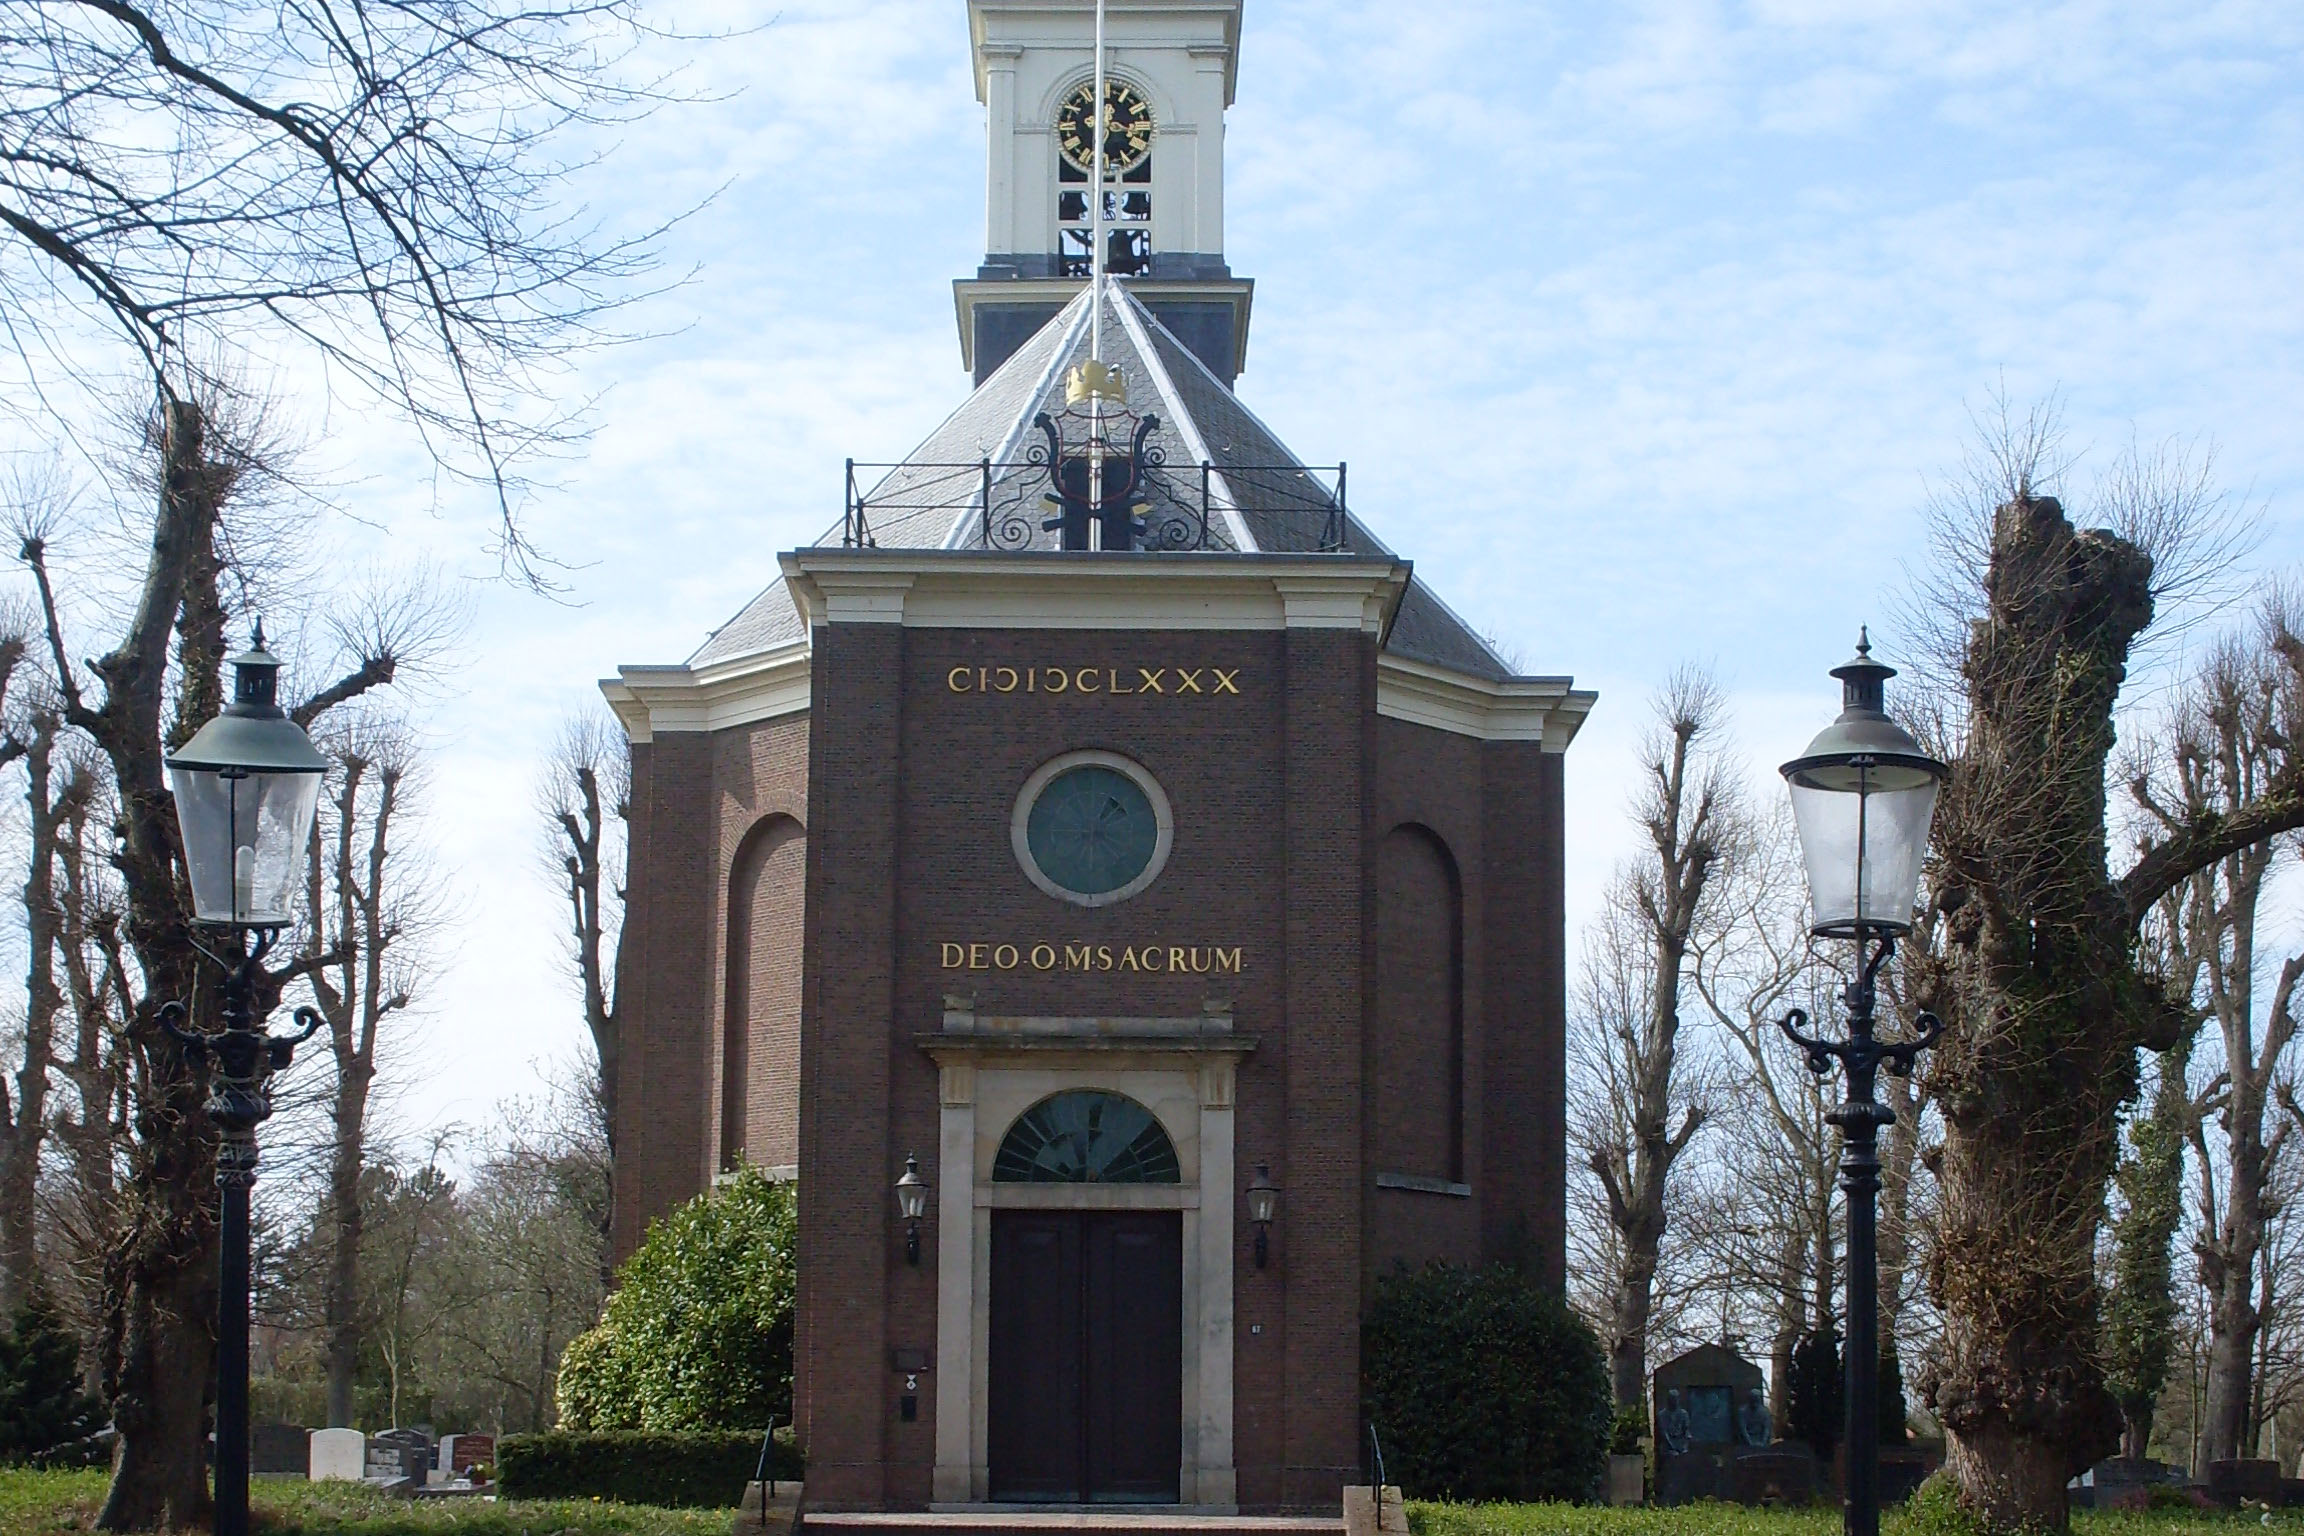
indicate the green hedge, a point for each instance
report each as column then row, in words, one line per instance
column 703, row 1468
column 1483, row 1385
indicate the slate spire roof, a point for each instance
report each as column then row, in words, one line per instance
column 1223, row 481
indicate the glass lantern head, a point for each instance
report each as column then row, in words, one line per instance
column 247, row 785
column 1863, row 795
column 912, row 1191
column 1263, row 1197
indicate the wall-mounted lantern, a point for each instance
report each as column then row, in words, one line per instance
column 1263, row 1205
column 912, row 1200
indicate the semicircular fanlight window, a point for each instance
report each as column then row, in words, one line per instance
column 1086, row 1137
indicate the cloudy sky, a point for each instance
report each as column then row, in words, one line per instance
column 1645, row 328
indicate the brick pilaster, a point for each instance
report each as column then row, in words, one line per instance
column 848, row 1016
column 1325, row 754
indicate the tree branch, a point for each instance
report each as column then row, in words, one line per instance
column 2168, row 862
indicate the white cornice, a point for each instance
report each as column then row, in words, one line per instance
column 713, row 697
column 936, row 590
column 1540, row 709
column 971, row 589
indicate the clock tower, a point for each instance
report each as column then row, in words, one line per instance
column 1171, row 67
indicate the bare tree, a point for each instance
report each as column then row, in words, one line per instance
column 2229, row 742
column 1760, row 966
column 24, row 1122
column 376, row 188
column 2040, row 990
column 81, row 1212
column 367, row 911
column 158, row 682
column 1661, row 913
column 521, row 1278
column 585, row 797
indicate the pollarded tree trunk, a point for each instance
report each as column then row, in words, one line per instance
column 2229, row 1252
column 24, row 1125
column 160, row 1277
column 2047, row 1008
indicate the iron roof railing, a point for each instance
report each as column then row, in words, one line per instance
column 1182, row 509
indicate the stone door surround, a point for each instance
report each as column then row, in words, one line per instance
column 991, row 1069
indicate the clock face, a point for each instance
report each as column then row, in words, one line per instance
column 1127, row 127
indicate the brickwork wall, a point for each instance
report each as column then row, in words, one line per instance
column 665, row 1148
column 1289, row 797
column 1429, row 802
column 760, row 793
column 627, row 1198
column 847, row 1047
column 1524, row 1164
column 1327, row 762
column 1217, row 757
column 760, row 1002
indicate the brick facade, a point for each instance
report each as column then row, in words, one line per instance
column 1394, row 891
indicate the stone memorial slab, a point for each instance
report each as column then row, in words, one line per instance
column 399, row 1453
column 337, row 1456
column 1780, row 1475
column 1699, row 1402
column 279, row 1450
column 461, row 1453
column 2233, row 1483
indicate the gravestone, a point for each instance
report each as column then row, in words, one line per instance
column 2124, row 1482
column 279, row 1450
column 1698, row 1401
column 399, row 1453
column 461, row 1453
column 1781, row 1474
column 338, row 1456
column 2233, row 1483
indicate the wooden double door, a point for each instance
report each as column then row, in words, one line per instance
column 1087, row 1360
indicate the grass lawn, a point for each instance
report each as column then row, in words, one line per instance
column 68, row 1501
column 1710, row 1519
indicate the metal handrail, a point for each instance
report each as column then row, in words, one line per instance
column 1182, row 515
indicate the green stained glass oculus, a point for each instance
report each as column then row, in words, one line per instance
column 1092, row 830
column 1086, row 1136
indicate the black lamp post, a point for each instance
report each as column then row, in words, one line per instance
column 246, row 787
column 1863, row 795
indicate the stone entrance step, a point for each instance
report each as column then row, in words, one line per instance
column 1028, row 1520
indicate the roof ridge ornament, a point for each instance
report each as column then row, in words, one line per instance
column 1095, row 380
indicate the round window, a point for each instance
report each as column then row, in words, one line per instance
column 1091, row 828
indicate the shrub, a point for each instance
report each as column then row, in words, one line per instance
column 1895, row 1427
column 1625, row 1430
column 44, row 1416
column 706, row 1469
column 1483, row 1385
column 698, row 1335
column 1814, row 1405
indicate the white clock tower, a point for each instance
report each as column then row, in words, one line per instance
column 1171, row 67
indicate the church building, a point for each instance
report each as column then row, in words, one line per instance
column 1103, row 843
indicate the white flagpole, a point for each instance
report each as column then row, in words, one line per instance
column 1096, row 203
column 1096, row 291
